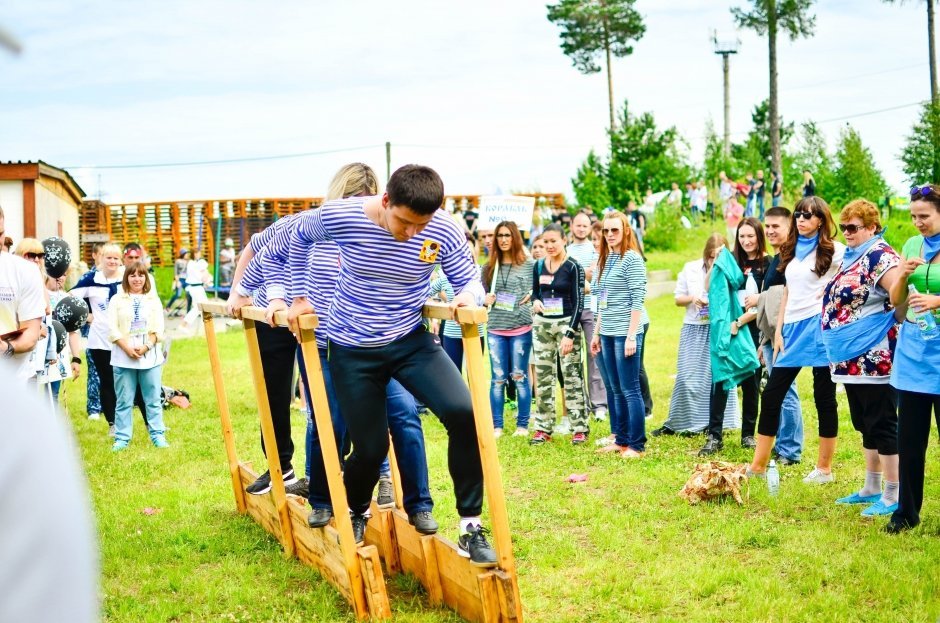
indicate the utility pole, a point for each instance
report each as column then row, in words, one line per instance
column 725, row 49
column 388, row 160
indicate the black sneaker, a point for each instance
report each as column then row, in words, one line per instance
column 301, row 488
column 784, row 461
column 712, row 445
column 385, row 497
column 423, row 522
column 473, row 545
column 748, row 442
column 896, row 526
column 319, row 517
column 662, row 430
column 359, row 528
column 263, row 484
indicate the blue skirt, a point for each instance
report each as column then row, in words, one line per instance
column 803, row 345
column 916, row 365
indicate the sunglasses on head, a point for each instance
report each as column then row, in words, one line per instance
column 35, row 256
column 850, row 228
column 611, row 230
column 921, row 191
column 802, row 214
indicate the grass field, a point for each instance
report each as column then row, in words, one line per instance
column 621, row 547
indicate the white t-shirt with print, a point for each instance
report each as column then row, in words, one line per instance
column 22, row 298
column 805, row 288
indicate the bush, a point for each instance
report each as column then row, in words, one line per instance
column 663, row 231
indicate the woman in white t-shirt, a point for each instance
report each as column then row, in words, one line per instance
column 197, row 278
column 688, row 408
column 136, row 329
column 810, row 257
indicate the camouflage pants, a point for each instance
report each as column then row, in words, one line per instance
column 547, row 334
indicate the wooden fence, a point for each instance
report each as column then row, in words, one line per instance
column 165, row 227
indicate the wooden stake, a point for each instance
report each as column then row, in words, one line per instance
column 228, row 437
column 267, row 434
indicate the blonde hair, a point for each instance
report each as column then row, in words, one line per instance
column 353, row 180
column 111, row 247
column 864, row 210
column 28, row 245
column 715, row 241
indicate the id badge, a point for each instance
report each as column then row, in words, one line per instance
column 505, row 302
column 138, row 327
column 602, row 300
column 553, row 307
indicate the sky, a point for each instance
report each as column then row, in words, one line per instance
column 478, row 90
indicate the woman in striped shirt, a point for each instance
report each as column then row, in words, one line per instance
column 508, row 275
column 620, row 284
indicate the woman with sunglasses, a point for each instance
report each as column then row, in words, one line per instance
column 508, row 275
column 809, row 259
column 859, row 332
column 620, row 284
column 916, row 372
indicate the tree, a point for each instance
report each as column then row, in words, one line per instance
column 931, row 46
column 756, row 152
column 590, row 28
column 921, row 154
column 767, row 17
column 811, row 154
column 590, row 184
column 855, row 174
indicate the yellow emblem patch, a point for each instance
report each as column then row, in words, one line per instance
column 429, row 251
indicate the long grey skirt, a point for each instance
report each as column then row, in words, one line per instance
column 688, row 409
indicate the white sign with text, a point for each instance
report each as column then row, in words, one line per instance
column 496, row 209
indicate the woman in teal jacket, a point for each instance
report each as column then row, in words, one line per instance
column 734, row 356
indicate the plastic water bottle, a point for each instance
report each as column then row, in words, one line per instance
column 925, row 320
column 773, row 478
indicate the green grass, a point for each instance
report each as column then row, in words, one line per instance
column 621, row 547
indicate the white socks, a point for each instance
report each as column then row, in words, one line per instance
column 890, row 495
column 466, row 522
column 872, row 484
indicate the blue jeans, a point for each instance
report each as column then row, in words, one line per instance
column 509, row 356
column 790, row 434
column 407, row 436
column 126, row 381
column 621, row 376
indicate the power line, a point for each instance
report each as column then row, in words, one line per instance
column 846, row 78
column 873, row 112
column 195, row 163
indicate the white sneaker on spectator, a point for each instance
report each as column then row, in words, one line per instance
column 94, row 416
column 521, row 432
column 497, row 433
column 564, row 428
column 600, row 414
column 819, row 477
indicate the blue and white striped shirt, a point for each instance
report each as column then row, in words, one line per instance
column 383, row 283
column 620, row 291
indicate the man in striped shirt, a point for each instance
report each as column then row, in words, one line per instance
column 390, row 245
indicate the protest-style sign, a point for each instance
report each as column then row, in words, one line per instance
column 496, row 209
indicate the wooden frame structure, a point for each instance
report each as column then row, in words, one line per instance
column 478, row 595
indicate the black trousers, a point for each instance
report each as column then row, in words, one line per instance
column 424, row 369
column 750, row 388
column 102, row 359
column 874, row 411
column 824, row 394
column 278, row 348
column 913, row 434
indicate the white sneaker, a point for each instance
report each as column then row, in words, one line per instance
column 564, row 428
column 605, row 441
column 521, row 432
column 94, row 416
column 497, row 433
column 600, row 414
column 819, row 477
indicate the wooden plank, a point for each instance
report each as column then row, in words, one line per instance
column 380, row 532
column 506, row 586
column 307, row 321
column 376, row 593
column 489, row 597
column 260, row 507
column 267, row 433
column 441, row 311
column 432, row 573
column 19, row 171
column 319, row 548
column 228, row 436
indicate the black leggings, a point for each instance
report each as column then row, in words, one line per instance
column 874, row 411
column 824, row 394
column 423, row 368
column 750, row 388
column 278, row 347
column 913, row 434
column 102, row 359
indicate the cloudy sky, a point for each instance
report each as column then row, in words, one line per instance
column 479, row 90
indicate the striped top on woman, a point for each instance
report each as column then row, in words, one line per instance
column 621, row 289
column 383, row 282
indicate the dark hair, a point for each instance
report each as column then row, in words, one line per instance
column 416, row 187
column 932, row 197
column 132, row 246
column 778, row 211
column 739, row 253
column 136, row 268
column 555, row 227
column 515, row 249
column 825, row 248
